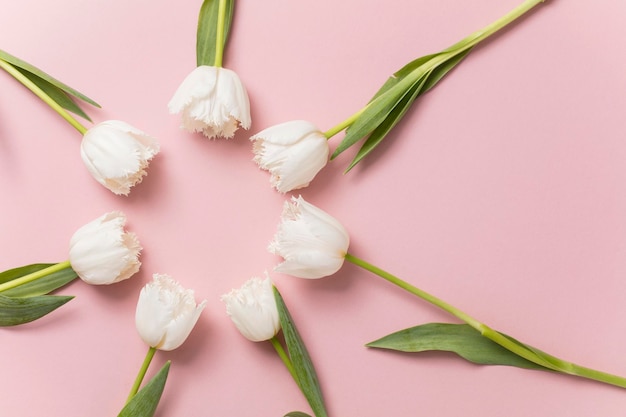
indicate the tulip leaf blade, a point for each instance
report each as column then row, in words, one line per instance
column 206, row 35
column 296, row 414
column 302, row 363
column 19, row 310
column 41, row 286
column 57, row 90
column 394, row 98
column 460, row 339
column 145, row 402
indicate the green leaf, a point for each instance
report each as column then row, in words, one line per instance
column 377, row 136
column 427, row 82
column 40, row 286
column 206, row 36
column 302, row 364
column 458, row 338
column 296, row 414
column 16, row 311
column 393, row 100
column 59, row 91
column 145, row 402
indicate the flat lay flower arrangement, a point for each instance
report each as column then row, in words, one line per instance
column 212, row 239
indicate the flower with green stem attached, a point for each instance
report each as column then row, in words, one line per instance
column 259, row 312
column 165, row 316
column 212, row 99
column 375, row 120
column 296, row 227
column 115, row 153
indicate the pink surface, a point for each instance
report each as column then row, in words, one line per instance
column 502, row 192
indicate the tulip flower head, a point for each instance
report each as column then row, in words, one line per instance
column 166, row 313
column 293, row 153
column 117, row 154
column 102, row 252
column 312, row 243
column 253, row 309
column 212, row 100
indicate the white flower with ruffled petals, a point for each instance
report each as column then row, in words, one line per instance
column 293, row 153
column 117, row 154
column 253, row 309
column 312, row 243
column 166, row 313
column 102, row 252
column 212, row 100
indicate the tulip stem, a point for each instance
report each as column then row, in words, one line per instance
column 543, row 359
column 34, row 276
column 450, row 52
column 42, row 95
column 219, row 39
column 141, row 374
column 343, row 125
column 283, row 355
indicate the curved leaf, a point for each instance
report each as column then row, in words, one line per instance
column 458, row 338
column 296, row 414
column 49, row 84
column 206, row 35
column 16, row 311
column 303, row 366
column 145, row 402
column 40, row 286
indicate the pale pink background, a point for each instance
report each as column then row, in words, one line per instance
column 503, row 192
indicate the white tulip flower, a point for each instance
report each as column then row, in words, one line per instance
column 293, row 153
column 117, row 154
column 102, row 252
column 166, row 313
column 312, row 243
column 212, row 100
column 253, row 309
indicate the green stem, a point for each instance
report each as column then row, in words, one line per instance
column 543, row 359
column 141, row 374
column 283, row 355
column 35, row 275
column 219, row 39
column 343, row 125
column 42, row 95
column 446, row 55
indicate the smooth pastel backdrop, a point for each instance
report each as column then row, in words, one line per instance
column 503, row 192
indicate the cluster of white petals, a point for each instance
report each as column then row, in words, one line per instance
column 312, row 243
column 212, row 100
column 117, row 154
column 253, row 309
column 102, row 252
column 293, row 153
column 166, row 313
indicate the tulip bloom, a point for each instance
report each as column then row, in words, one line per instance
column 253, row 309
column 166, row 313
column 102, row 252
column 293, row 153
column 117, row 154
column 212, row 100
column 312, row 243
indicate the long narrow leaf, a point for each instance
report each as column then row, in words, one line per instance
column 376, row 112
column 458, row 338
column 296, row 414
column 377, row 136
column 16, row 311
column 19, row 63
column 40, row 286
column 206, row 36
column 303, row 366
column 422, row 86
column 145, row 402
